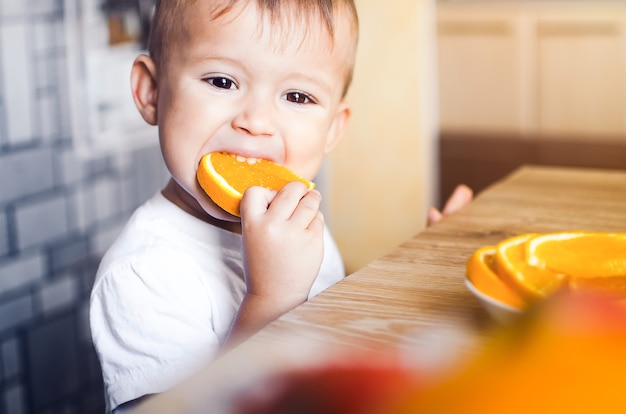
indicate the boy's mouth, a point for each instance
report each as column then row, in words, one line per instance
column 249, row 160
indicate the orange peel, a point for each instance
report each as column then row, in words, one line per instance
column 224, row 177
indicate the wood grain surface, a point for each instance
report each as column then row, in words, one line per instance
column 421, row 282
column 418, row 288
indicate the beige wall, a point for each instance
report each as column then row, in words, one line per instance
column 381, row 177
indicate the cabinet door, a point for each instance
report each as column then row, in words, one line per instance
column 481, row 84
column 581, row 76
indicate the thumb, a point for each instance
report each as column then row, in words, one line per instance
column 255, row 201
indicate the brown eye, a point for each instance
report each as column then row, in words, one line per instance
column 298, row 97
column 222, row 83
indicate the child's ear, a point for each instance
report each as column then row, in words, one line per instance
column 143, row 80
column 338, row 127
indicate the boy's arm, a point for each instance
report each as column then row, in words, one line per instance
column 283, row 247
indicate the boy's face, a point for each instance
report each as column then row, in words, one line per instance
column 242, row 85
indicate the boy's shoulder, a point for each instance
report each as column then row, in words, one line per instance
column 160, row 229
column 161, row 241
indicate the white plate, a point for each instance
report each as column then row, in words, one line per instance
column 499, row 311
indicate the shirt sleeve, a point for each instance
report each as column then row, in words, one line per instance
column 151, row 325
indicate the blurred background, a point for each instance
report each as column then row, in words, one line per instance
column 444, row 92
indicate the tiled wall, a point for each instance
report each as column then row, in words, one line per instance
column 58, row 212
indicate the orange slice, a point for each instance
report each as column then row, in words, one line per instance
column 225, row 177
column 581, row 254
column 531, row 282
column 480, row 271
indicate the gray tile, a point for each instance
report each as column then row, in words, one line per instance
column 44, row 6
column 25, row 172
column 83, row 206
column 84, row 329
column 17, row 82
column 47, row 36
column 104, row 237
column 151, row 174
column 63, row 88
column 4, row 235
column 21, row 272
column 14, row 402
column 41, row 221
column 14, row 7
column 76, row 219
column 107, row 199
column 43, row 74
column 64, row 255
column 128, row 194
column 60, row 294
column 71, row 167
column 11, row 357
column 97, row 165
column 48, row 125
column 59, row 34
column 53, row 353
column 15, row 312
column 88, row 273
column 93, row 402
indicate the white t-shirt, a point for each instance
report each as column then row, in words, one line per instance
column 165, row 295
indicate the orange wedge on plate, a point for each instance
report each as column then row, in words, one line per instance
column 593, row 260
column 534, row 266
column 584, row 254
column 480, row 271
column 531, row 282
column 225, row 177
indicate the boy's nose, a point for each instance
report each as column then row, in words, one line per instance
column 255, row 118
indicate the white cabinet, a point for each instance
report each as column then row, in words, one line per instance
column 581, row 75
column 480, row 72
column 538, row 68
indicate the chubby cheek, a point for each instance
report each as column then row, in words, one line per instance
column 179, row 157
column 305, row 150
column 181, row 138
column 305, row 163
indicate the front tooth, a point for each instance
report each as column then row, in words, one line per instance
column 240, row 158
column 252, row 161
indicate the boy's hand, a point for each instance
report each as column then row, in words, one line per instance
column 283, row 247
column 461, row 196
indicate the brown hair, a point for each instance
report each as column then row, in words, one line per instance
column 169, row 15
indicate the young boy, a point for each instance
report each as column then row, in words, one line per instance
column 260, row 79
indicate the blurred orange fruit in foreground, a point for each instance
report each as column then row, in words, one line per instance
column 225, row 177
column 566, row 356
column 354, row 386
column 534, row 266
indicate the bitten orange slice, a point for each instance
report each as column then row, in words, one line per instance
column 578, row 253
column 225, row 177
column 480, row 271
column 531, row 282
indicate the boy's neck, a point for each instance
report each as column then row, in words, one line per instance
column 184, row 201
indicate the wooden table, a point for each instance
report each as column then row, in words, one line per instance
column 418, row 288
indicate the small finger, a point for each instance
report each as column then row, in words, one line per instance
column 433, row 216
column 287, row 200
column 461, row 196
column 307, row 209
